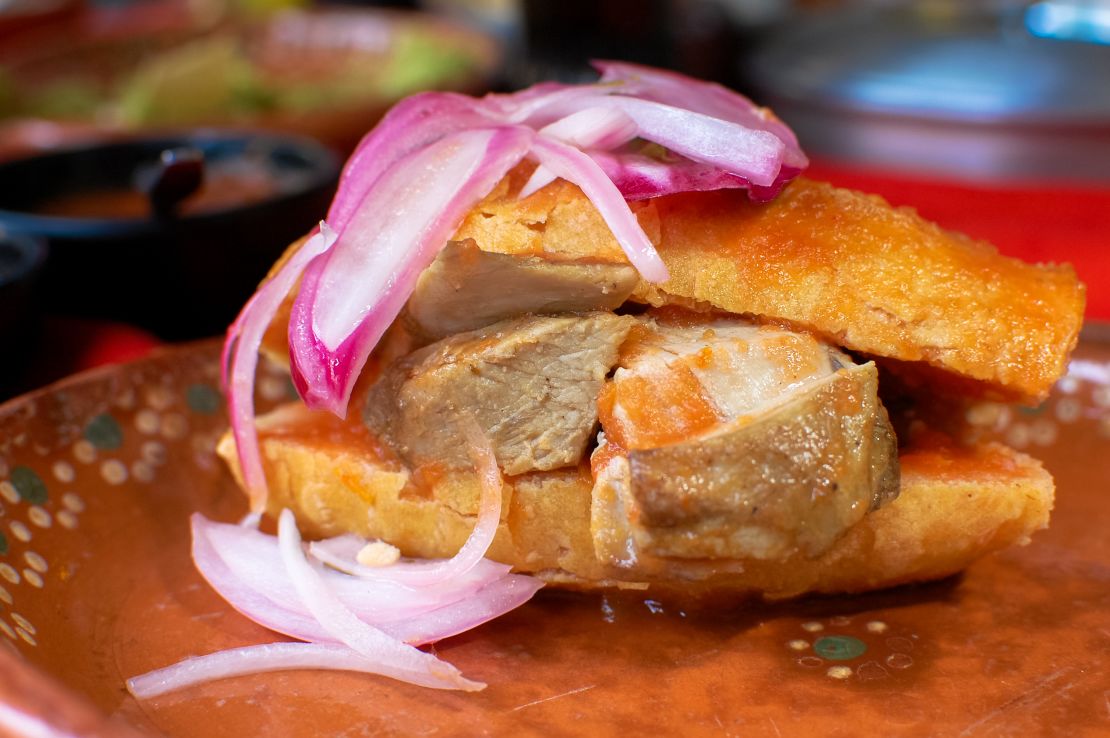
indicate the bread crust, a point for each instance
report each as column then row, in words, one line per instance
column 842, row 264
column 845, row 265
column 956, row 504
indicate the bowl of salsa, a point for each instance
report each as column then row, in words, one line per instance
column 169, row 233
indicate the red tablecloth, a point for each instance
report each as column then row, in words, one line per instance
column 1032, row 221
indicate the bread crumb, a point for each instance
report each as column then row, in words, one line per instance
column 378, row 553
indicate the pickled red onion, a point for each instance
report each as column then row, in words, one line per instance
column 344, row 626
column 266, row 657
column 709, row 98
column 349, row 296
column 242, row 360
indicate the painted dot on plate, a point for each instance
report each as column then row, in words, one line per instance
column 840, row 621
column 1043, row 432
column 147, row 421
column 29, row 485
column 63, row 471
column 899, row 661
column 30, row 639
column 114, row 471
column 153, row 452
column 126, row 399
column 798, row 645
column 33, row 578
column 983, row 414
column 1068, row 410
column 871, row 671
column 1068, row 385
column 7, row 630
column 36, row 562
column 7, row 489
column 84, row 451
column 272, row 388
column 812, row 627
column 20, row 531
column 8, row 572
column 73, row 502
column 840, row 672
column 158, row 397
column 142, row 471
column 175, row 426
column 1018, row 435
column 67, row 519
column 205, row 443
column 24, row 623
column 810, row 661
column 5, row 596
column 839, row 648
column 104, row 432
column 876, row 626
column 899, row 643
column 203, row 399
column 39, row 516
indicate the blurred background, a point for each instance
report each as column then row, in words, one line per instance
column 157, row 155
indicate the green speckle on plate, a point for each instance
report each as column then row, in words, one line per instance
column 839, row 648
column 104, row 432
column 3, row 545
column 203, row 398
column 29, row 485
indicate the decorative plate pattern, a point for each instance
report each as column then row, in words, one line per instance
column 98, row 476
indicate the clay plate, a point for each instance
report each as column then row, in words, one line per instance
column 98, row 476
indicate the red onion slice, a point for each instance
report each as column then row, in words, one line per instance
column 489, row 602
column 277, row 614
column 590, row 128
column 276, row 607
column 700, row 96
column 752, row 153
column 410, row 125
column 349, row 298
column 601, row 127
column 344, row 625
column 574, row 166
column 254, row 557
column 243, row 362
column 268, row 657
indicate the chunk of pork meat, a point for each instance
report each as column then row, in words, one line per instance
column 466, row 288
column 729, row 440
column 530, row 383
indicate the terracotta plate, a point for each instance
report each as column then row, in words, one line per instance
column 98, row 475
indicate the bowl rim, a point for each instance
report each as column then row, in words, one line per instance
column 324, row 173
column 33, row 249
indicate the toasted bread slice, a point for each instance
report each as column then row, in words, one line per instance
column 956, row 504
column 866, row 276
column 869, row 277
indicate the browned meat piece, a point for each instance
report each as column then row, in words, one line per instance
column 466, row 288
column 531, row 384
column 785, row 459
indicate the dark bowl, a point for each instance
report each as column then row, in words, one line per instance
column 21, row 262
column 179, row 274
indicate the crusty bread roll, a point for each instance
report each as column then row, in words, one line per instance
column 937, row 311
column 956, row 504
